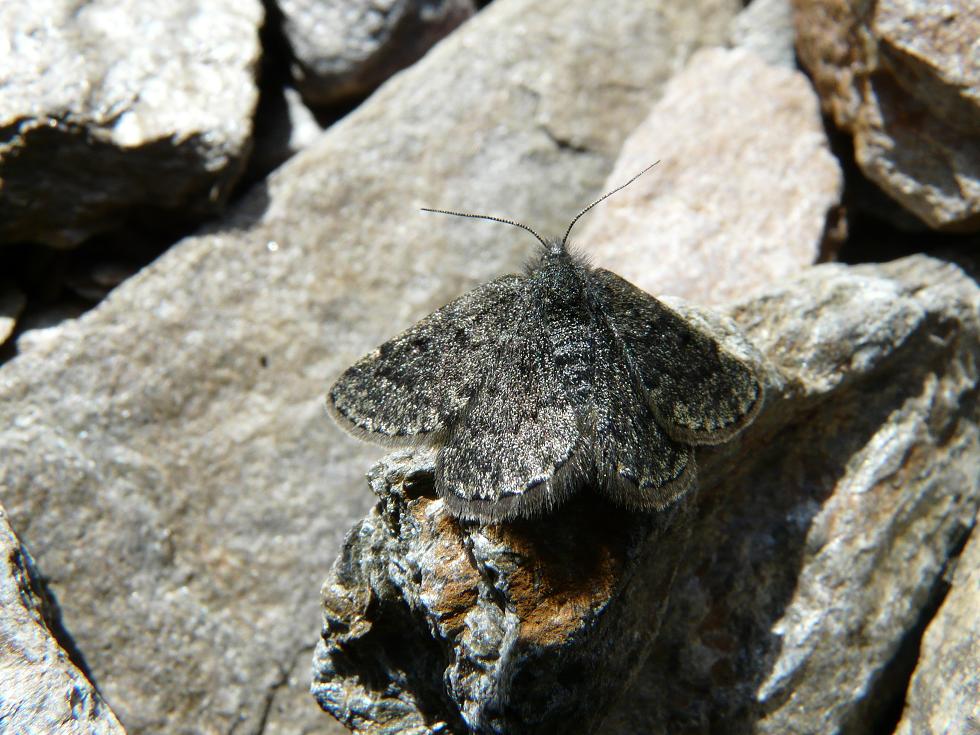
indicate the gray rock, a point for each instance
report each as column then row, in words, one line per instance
column 345, row 49
column 288, row 127
column 816, row 539
column 108, row 106
column 904, row 78
column 765, row 28
column 822, row 537
column 11, row 304
column 944, row 696
column 746, row 193
column 41, row 689
column 168, row 457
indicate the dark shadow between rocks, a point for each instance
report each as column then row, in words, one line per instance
column 893, row 681
column 878, row 228
column 50, row 610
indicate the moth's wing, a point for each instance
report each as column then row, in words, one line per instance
column 700, row 393
column 411, row 388
column 638, row 464
column 512, row 453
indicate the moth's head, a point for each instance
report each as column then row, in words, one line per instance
column 554, row 247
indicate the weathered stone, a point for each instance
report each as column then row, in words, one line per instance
column 167, row 456
column 107, row 106
column 431, row 625
column 818, row 536
column 765, row 28
column 820, row 543
column 944, row 696
column 41, row 690
column 344, row 49
column 744, row 190
column 11, row 304
column 904, row 77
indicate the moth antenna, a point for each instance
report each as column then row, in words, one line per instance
column 489, row 217
column 578, row 216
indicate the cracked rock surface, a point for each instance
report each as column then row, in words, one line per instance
column 109, row 108
column 41, row 689
column 166, row 456
column 816, row 540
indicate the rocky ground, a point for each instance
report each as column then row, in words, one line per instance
column 208, row 212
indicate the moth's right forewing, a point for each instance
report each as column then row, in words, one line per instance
column 411, row 388
column 641, row 465
column 700, row 393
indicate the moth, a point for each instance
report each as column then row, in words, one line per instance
column 536, row 385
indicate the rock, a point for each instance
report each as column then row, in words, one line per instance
column 744, row 190
column 765, row 28
column 944, row 695
column 44, row 327
column 814, row 554
column 527, row 627
column 345, row 49
column 288, row 127
column 11, row 304
column 815, row 540
column 168, row 456
column 106, row 107
column 903, row 77
column 41, row 689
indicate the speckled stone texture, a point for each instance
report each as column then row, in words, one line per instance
column 41, row 689
column 113, row 109
column 765, row 27
column 817, row 539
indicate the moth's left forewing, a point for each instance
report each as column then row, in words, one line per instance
column 700, row 391
column 409, row 390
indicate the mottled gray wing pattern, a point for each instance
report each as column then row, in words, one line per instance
column 635, row 461
column 643, row 466
column 511, row 452
column 699, row 393
column 414, row 385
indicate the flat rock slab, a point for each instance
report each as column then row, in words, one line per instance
column 744, row 191
column 108, row 107
column 41, row 689
column 168, row 457
column 343, row 49
column 904, row 77
column 817, row 539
